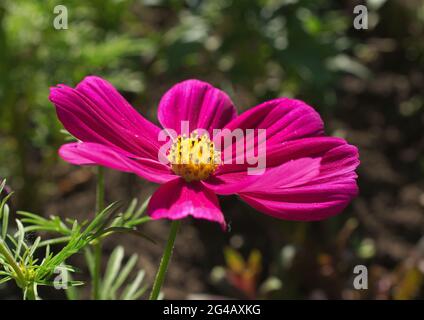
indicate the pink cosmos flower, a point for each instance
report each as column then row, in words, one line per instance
column 308, row 175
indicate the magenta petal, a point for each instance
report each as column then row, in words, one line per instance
column 87, row 153
column 310, row 196
column 204, row 106
column 285, row 121
column 95, row 112
column 178, row 199
column 290, row 174
column 298, row 211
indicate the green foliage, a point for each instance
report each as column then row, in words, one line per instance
column 117, row 274
column 21, row 261
column 126, row 221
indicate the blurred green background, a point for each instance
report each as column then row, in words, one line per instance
column 367, row 84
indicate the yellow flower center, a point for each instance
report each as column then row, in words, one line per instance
column 194, row 158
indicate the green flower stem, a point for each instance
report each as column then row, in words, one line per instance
column 97, row 269
column 100, row 203
column 30, row 293
column 163, row 267
column 20, row 277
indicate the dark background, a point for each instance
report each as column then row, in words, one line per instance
column 367, row 85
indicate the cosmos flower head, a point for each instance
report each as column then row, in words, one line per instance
column 274, row 156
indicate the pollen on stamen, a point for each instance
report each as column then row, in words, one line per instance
column 194, row 158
